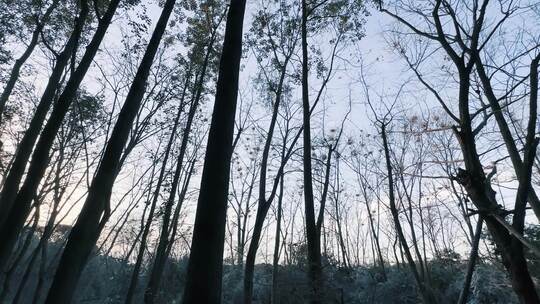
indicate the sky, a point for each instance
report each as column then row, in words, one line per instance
column 384, row 72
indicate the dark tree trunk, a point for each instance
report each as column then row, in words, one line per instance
column 324, row 195
column 249, row 268
column 13, row 267
column 521, row 280
column 161, row 250
column 473, row 178
column 95, row 211
column 472, row 262
column 263, row 202
column 206, row 257
column 312, row 236
column 40, row 250
column 181, row 198
column 410, row 220
column 479, row 189
column 277, row 246
column 163, row 244
column 424, row 293
column 375, row 236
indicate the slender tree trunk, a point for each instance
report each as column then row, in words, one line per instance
column 277, row 246
column 243, row 222
column 376, row 237
column 26, row 276
column 396, row 257
column 263, row 202
column 161, row 255
column 324, row 196
column 40, row 250
column 181, row 198
column 410, row 220
column 28, row 268
column 339, row 226
column 472, row 262
column 424, row 293
column 206, row 257
column 343, row 247
column 95, row 211
column 249, row 268
column 41, row 274
column 239, row 245
column 313, row 241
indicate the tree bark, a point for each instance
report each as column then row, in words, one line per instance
column 472, row 262
column 375, row 235
column 312, row 236
column 277, row 246
column 161, row 255
column 204, row 273
column 424, row 293
column 263, row 202
column 479, row 189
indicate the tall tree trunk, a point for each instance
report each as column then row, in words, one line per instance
column 95, row 211
column 161, row 254
column 410, row 220
column 40, row 159
column 375, row 236
column 519, row 270
column 16, row 69
column 342, row 245
column 424, row 293
column 313, row 241
column 6, row 278
column 263, row 202
column 473, row 178
column 206, row 257
column 464, row 294
column 181, row 198
column 277, row 246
